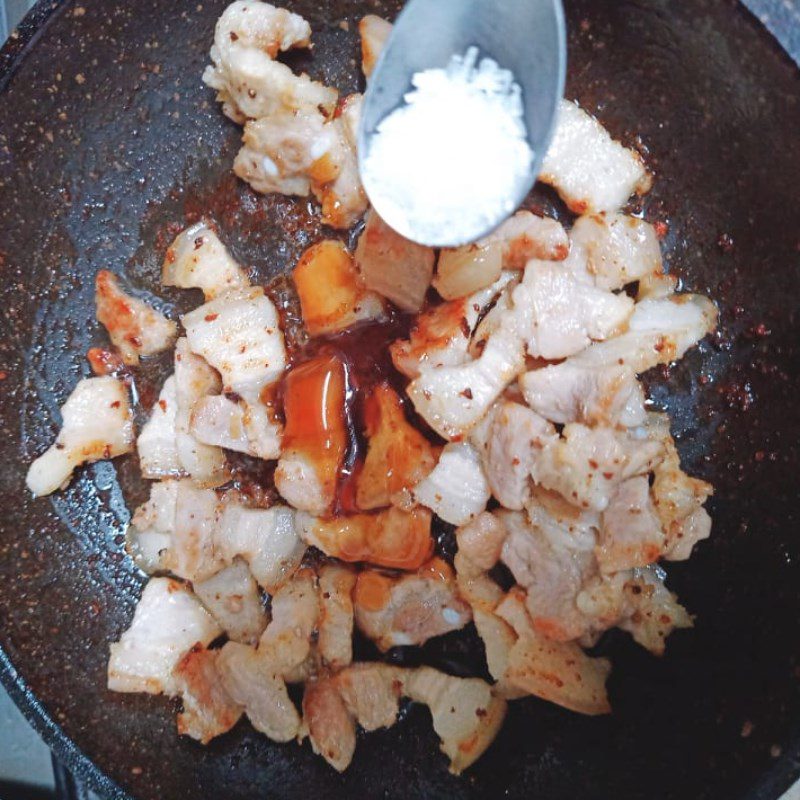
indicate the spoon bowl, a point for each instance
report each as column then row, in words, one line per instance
column 527, row 37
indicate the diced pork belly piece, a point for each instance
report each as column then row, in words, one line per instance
column 257, row 24
column 239, row 334
column 208, row 710
column 559, row 316
column 617, row 249
column 175, row 530
column 630, row 534
column 476, row 586
column 168, row 622
column 463, row 270
column 194, row 380
column 135, row 328
column 456, row 490
column 371, row 693
column 192, row 554
column 236, row 425
column 526, row 236
column 498, row 639
column 340, row 193
column 374, row 31
column 480, row 544
column 481, row 540
column 410, row 609
column 96, row 423
column 266, row 539
column 466, row 715
column 252, row 682
column 286, row 643
column 394, row 267
column 653, row 612
column 515, row 440
column 283, row 151
column 452, row 400
column 303, row 484
column 300, row 151
column 593, row 395
column 603, row 603
column 559, row 672
column 587, row 464
column 331, row 728
column 249, row 82
column 233, row 600
column 552, row 557
column 365, row 693
column 591, row 171
column 219, row 421
column 335, row 626
column 316, row 435
column 331, row 296
column 157, row 445
column 678, row 498
column 398, row 456
column 391, row 538
column 197, row 259
column 149, row 535
column 441, row 335
column 350, row 117
column 659, row 331
column 656, row 286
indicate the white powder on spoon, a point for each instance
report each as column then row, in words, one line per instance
column 449, row 163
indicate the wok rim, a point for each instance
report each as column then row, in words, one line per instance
column 13, row 52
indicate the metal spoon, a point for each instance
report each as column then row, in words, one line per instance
column 526, row 36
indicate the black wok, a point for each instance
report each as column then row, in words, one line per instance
column 109, row 143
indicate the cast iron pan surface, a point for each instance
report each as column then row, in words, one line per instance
column 109, row 144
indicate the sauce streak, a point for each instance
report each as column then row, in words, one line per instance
column 363, row 355
column 315, row 407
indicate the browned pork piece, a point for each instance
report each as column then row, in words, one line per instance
column 556, row 671
column 591, row 171
column 391, row 538
column 440, row 335
column 197, row 259
column 134, row 327
column 374, row 31
column 208, row 709
column 336, row 614
column 168, row 622
column 231, row 595
column 409, row 609
column 96, row 423
column 398, row 457
column 525, row 236
column 466, row 714
column 456, row 489
column 250, row 83
column 194, row 380
column 157, row 443
column 252, row 682
column 331, row 296
column 394, row 267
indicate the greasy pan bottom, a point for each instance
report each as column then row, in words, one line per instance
column 109, row 143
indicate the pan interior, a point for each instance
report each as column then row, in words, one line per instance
column 110, row 144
